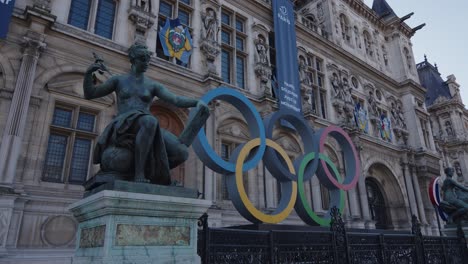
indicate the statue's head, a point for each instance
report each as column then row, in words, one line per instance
column 449, row 172
column 139, row 56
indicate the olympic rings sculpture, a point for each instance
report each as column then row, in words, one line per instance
column 290, row 174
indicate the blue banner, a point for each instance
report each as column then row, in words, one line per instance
column 287, row 68
column 6, row 10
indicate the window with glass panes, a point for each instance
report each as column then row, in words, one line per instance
column 227, row 148
column 72, row 132
column 101, row 21
column 233, row 54
column 168, row 9
column 319, row 92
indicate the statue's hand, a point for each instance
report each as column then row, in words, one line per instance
column 94, row 67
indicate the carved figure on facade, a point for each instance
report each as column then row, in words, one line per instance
column 303, row 71
column 262, row 50
column 209, row 41
column 337, row 87
column 348, row 98
column 372, row 107
column 448, row 129
column 385, row 55
column 210, row 24
column 455, row 197
column 143, row 5
column 357, row 37
column 134, row 146
column 458, row 169
column 262, row 68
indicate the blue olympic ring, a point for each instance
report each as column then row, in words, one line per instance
column 203, row 149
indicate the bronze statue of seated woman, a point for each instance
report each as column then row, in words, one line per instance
column 455, row 198
column 134, row 146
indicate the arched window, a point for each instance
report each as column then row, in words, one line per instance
column 310, row 22
column 344, row 28
column 101, row 20
column 377, row 206
column 368, row 43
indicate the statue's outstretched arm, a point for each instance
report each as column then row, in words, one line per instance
column 92, row 91
column 460, row 186
column 180, row 101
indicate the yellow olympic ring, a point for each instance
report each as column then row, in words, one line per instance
column 285, row 206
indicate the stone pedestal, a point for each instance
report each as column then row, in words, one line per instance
column 451, row 230
column 123, row 227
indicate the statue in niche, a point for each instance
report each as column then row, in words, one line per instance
column 394, row 115
column 458, row 169
column 262, row 49
column 303, row 71
column 143, row 4
column 401, row 117
column 210, row 23
column 347, row 96
column 455, row 197
column 337, row 87
column 134, row 146
column 373, row 109
column 449, row 129
column 357, row 38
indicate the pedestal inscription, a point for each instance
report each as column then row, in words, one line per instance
column 148, row 235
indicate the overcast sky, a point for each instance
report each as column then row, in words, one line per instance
column 444, row 39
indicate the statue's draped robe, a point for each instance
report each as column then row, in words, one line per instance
column 120, row 133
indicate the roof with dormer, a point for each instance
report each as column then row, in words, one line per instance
column 382, row 8
column 430, row 79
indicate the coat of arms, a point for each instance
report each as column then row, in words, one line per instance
column 176, row 40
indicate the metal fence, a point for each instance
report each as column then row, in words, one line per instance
column 227, row 245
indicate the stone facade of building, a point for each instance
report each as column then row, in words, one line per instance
column 357, row 71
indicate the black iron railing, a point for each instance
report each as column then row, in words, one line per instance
column 227, row 245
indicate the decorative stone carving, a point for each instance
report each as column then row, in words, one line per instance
column 372, row 107
column 262, row 50
column 141, row 16
column 58, row 231
column 43, row 5
column 209, row 42
column 303, row 74
column 210, row 25
column 342, row 101
column 397, row 116
column 262, row 67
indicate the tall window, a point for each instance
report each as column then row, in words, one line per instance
column 100, row 21
column 69, row 147
column 319, row 94
column 171, row 9
column 233, row 54
column 345, row 32
column 425, row 131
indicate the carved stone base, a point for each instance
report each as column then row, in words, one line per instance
column 121, row 227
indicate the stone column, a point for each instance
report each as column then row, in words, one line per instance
column 419, row 201
column 210, row 176
column 270, row 190
column 14, row 129
column 316, row 195
column 409, row 190
column 364, row 202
